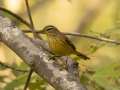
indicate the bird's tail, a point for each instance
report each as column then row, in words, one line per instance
column 81, row 55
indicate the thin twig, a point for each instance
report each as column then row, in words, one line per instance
column 16, row 16
column 35, row 36
column 28, row 79
column 7, row 66
column 95, row 38
column 30, row 18
column 84, row 36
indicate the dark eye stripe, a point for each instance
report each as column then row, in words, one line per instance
column 50, row 28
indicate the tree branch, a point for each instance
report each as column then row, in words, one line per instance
column 30, row 19
column 36, row 57
column 107, row 40
column 95, row 38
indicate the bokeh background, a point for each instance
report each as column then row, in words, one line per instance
column 101, row 72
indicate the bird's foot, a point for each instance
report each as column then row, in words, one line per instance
column 53, row 57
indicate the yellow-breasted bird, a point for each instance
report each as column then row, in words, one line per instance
column 59, row 44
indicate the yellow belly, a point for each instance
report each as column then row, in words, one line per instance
column 59, row 47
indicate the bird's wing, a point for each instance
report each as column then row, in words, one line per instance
column 67, row 40
column 70, row 43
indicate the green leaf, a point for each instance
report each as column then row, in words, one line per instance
column 108, row 76
column 37, row 84
column 16, row 83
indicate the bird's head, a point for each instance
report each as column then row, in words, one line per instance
column 50, row 30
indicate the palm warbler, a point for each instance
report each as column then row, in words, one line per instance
column 59, row 44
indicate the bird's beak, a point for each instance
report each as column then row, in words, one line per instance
column 42, row 31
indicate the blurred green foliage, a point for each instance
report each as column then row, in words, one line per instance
column 108, row 76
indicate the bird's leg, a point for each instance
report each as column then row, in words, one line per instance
column 58, row 60
column 64, row 64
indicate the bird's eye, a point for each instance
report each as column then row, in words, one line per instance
column 49, row 29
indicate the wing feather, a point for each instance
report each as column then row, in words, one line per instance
column 67, row 40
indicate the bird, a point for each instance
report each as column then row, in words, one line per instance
column 59, row 44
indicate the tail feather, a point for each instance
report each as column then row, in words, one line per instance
column 81, row 55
